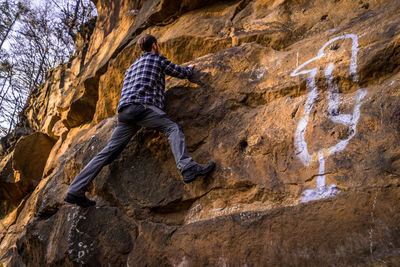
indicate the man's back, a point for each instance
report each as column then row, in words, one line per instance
column 144, row 81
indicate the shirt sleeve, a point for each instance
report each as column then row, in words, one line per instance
column 174, row 70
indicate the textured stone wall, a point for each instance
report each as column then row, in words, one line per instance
column 296, row 101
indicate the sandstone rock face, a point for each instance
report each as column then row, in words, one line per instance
column 22, row 169
column 296, row 101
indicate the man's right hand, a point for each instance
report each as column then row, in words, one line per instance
column 192, row 77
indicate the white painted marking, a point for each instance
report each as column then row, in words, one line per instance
column 222, row 262
column 320, row 191
column 371, row 231
column 194, row 213
column 81, row 254
column 353, row 63
column 334, row 98
column 301, row 127
column 259, row 72
column 183, row 263
column 321, row 173
column 133, row 11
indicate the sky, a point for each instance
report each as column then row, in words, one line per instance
column 37, row 2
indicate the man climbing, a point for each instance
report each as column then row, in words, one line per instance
column 141, row 104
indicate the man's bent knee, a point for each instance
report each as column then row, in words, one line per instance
column 173, row 128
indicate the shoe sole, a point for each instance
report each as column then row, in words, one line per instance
column 76, row 204
column 205, row 172
column 70, row 202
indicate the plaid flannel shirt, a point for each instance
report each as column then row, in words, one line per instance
column 144, row 81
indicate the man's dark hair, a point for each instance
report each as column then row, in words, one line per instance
column 146, row 42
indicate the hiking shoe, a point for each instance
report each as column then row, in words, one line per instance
column 82, row 201
column 191, row 174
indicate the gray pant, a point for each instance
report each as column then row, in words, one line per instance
column 128, row 120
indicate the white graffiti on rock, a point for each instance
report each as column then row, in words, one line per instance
column 334, row 98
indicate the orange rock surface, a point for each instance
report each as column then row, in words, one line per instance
column 298, row 102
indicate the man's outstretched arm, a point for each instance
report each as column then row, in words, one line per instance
column 177, row 71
